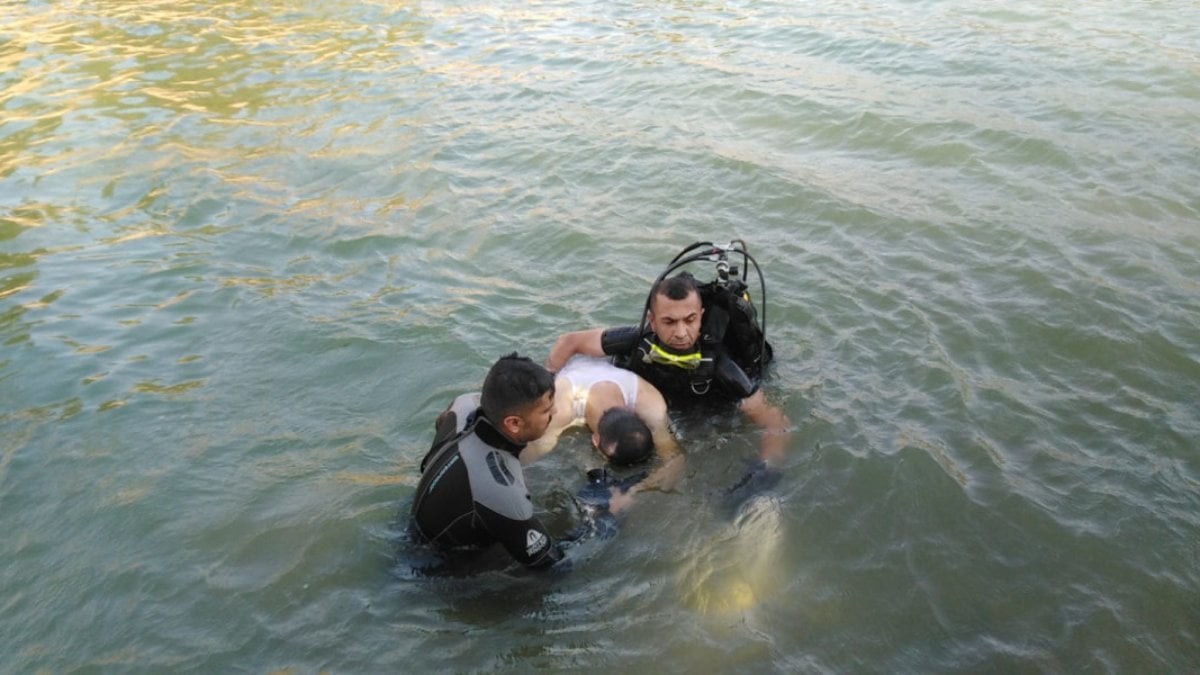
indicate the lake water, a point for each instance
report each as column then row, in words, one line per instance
column 249, row 250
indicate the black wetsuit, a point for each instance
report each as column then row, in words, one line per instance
column 472, row 491
column 716, row 382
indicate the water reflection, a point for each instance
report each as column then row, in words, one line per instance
column 248, row 250
column 739, row 568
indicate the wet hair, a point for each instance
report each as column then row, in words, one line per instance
column 627, row 435
column 677, row 287
column 512, row 384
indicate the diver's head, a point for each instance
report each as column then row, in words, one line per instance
column 623, row 437
column 676, row 311
column 518, row 398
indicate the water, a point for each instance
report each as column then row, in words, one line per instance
column 249, row 250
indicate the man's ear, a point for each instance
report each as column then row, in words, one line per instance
column 512, row 425
column 596, row 439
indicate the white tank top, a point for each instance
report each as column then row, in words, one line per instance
column 585, row 371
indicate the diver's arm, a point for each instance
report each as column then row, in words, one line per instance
column 526, row 540
column 563, row 416
column 535, row 450
column 652, row 408
column 774, row 423
column 661, row 478
column 585, row 342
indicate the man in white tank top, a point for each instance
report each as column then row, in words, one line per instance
column 585, row 389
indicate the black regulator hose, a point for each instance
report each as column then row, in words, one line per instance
column 711, row 249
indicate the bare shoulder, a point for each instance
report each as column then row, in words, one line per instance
column 650, row 400
column 647, row 390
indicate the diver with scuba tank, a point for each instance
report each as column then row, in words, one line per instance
column 703, row 345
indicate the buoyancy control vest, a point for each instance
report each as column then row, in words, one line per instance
column 732, row 352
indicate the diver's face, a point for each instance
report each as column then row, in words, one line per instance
column 677, row 322
column 535, row 419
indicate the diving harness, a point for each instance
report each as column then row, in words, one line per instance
column 730, row 321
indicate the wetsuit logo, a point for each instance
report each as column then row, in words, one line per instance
column 534, row 542
column 500, row 472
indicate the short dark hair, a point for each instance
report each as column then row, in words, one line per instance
column 512, row 384
column 627, row 435
column 677, row 287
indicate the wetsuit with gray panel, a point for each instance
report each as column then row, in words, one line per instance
column 472, row 492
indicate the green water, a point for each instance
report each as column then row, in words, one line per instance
column 249, row 250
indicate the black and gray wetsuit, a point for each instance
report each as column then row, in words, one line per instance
column 472, row 491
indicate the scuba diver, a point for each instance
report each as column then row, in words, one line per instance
column 701, row 345
column 472, row 491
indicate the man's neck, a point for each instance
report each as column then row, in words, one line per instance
column 494, row 435
column 601, row 397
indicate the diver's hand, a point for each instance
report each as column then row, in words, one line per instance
column 761, row 477
column 620, row 500
column 666, row 476
column 605, row 492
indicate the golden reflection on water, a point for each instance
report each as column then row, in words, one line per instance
column 738, row 569
column 16, row 283
column 407, row 478
column 153, row 387
column 103, row 82
column 206, row 147
column 45, row 300
column 59, row 411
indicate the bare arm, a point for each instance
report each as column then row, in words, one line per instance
column 774, row 423
column 652, row 409
column 535, row 450
column 540, row 447
column 585, row 342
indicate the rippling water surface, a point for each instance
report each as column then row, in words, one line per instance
column 249, row 250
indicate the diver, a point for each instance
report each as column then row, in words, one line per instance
column 472, row 490
column 626, row 414
column 699, row 344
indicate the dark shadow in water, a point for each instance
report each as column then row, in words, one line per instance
column 712, row 427
column 481, row 587
column 758, row 480
column 583, row 518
